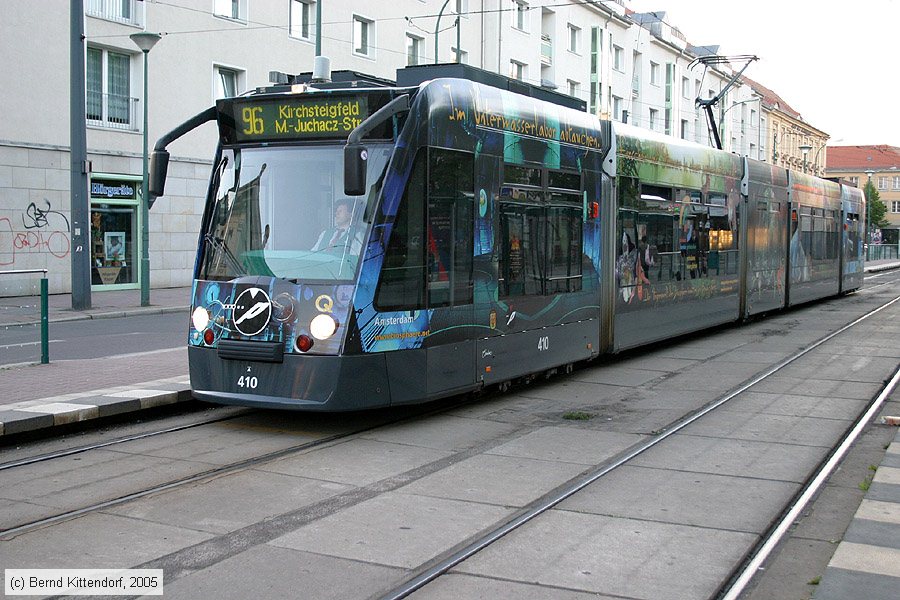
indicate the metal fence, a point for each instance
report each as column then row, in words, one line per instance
column 130, row 12
column 112, row 110
column 882, row 252
column 45, row 310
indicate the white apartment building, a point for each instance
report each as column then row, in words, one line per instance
column 624, row 66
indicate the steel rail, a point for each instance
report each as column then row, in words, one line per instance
column 121, row 440
column 752, row 567
column 543, row 505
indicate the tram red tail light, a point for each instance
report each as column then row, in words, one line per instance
column 595, row 210
column 304, row 343
column 209, row 337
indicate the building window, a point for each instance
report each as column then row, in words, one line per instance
column 617, row 108
column 517, row 70
column 654, row 119
column 882, row 182
column 654, row 73
column 574, row 39
column 231, row 9
column 413, row 49
column 363, row 36
column 854, row 180
column 121, row 11
column 462, row 8
column 685, row 131
column 228, row 82
column 895, row 182
column 108, row 100
column 685, row 88
column 895, row 206
column 520, row 18
column 462, row 56
column 301, row 19
column 618, row 59
column 574, row 87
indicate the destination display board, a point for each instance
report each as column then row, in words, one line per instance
column 295, row 117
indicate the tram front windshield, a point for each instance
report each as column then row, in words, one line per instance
column 281, row 212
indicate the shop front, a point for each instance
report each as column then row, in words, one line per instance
column 115, row 238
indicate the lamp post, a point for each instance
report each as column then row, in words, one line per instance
column 145, row 41
column 805, row 148
column 869, row 174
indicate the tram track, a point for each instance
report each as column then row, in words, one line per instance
column 434, row 570
column 43, row 457
column 534, row 510
column 232, row 467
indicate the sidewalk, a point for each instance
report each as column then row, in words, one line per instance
column 96, row 388
column 26, row 310
column 37, row 397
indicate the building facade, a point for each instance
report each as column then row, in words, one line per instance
column 625, row 66
column 878, row 164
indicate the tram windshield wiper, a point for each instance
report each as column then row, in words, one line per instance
column 219, row 246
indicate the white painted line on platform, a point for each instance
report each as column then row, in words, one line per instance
column 139, row 393
column 876, row 510
column 56, row 408
column 869, row 559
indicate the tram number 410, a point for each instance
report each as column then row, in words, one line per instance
column 247, row 382
column 543, row 343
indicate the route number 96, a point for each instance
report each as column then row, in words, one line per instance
column 253, row 122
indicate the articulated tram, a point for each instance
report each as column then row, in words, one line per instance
column 370, row 245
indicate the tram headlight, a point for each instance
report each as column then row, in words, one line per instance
column 323, row 326
column 200, row 318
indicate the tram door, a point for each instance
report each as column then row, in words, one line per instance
column 449, row 243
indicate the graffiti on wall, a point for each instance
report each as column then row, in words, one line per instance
column 43, row 230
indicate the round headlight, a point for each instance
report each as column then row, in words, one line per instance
column 323, row 326
column 200, row 318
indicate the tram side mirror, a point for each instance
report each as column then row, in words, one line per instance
column 355, row 158
column 159, row 167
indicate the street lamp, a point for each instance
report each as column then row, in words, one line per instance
column 145, row 41
column 805, row 148
column 869, row 174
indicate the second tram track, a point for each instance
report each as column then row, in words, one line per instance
column 567, row 490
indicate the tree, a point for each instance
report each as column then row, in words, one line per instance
column 875, row 208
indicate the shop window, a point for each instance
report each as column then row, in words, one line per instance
column 114, row 239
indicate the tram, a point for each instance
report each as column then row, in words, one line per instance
column 366, row 245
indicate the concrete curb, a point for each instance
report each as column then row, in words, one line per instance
column 35, row 415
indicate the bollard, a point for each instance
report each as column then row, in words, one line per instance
column 45, row 324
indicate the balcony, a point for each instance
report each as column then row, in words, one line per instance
column 546, row 49
column 129, row 12
column 111, row 111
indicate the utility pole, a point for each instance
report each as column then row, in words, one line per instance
column 79, row 166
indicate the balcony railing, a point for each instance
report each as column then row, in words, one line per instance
column 546, row 49
column 111, row 110
column 130, row 12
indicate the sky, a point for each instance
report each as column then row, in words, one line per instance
column 834, row 63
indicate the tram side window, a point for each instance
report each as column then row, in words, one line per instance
column 656, row 235
column 521, row 227
column 402, row 284
column 722, row 242
column 806, row 231
column 541, row 225
column 564, row 243
column 693, row 236
column 852, row 234
column 449, row 231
